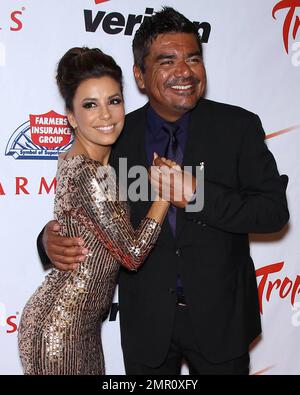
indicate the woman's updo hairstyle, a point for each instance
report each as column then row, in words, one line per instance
column 79, row 64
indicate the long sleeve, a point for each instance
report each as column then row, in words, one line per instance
column 259, row 205
column 98, row 205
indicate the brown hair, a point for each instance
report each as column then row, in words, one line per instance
column 79, row 64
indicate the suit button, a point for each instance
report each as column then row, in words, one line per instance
column 171, row 290
column 199, row 222
column 178, row 252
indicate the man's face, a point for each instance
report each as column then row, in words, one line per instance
column 174, row 77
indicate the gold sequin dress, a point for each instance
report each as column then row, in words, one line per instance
column 60, row 328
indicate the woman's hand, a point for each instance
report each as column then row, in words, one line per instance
column 170, row 182
column 162, row 161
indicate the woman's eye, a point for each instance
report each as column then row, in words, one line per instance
column 89, row 104
column 116, row 100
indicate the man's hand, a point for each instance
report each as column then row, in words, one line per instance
column 64, row 252
column 171, row 183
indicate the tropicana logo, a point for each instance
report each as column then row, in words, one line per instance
column 285, row 287
column 291, row 5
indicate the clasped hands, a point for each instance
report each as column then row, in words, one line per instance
column 170, row 182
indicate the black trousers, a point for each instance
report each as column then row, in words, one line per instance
column 183, row 347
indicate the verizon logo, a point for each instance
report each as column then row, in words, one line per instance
column 116, row 23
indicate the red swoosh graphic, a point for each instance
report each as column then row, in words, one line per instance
column 291, row 5
column 100, row 1
column 283, row 131
column 259, row 372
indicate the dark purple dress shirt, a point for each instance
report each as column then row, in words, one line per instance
column 156, row 141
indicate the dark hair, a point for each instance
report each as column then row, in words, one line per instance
column 79, row 64
column 167, row 20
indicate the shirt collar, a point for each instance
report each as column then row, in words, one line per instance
column 155, row 122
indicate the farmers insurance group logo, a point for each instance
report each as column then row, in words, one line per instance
column 44, row 136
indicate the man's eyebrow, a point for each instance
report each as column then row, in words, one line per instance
column 196, row 53
column 165, row 56
column 173, row 56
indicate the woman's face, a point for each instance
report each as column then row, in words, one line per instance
column 98, row 112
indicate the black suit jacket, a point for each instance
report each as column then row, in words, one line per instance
column 243, row 193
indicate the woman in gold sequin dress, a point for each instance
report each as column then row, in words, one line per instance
column 59, row 332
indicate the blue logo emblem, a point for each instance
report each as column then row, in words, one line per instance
column 44, row 136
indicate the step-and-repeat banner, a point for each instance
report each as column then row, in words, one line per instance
column 252, row 56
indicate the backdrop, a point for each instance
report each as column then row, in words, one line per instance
column 252, row 56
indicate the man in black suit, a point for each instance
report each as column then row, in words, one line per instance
column 196, row 295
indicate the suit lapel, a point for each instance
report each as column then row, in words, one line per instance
column 132, row 145
column 136, row 147
column 194, row 152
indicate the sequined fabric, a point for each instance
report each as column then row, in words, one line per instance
column 60, row 328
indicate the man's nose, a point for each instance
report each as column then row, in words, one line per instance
column 183, row 69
